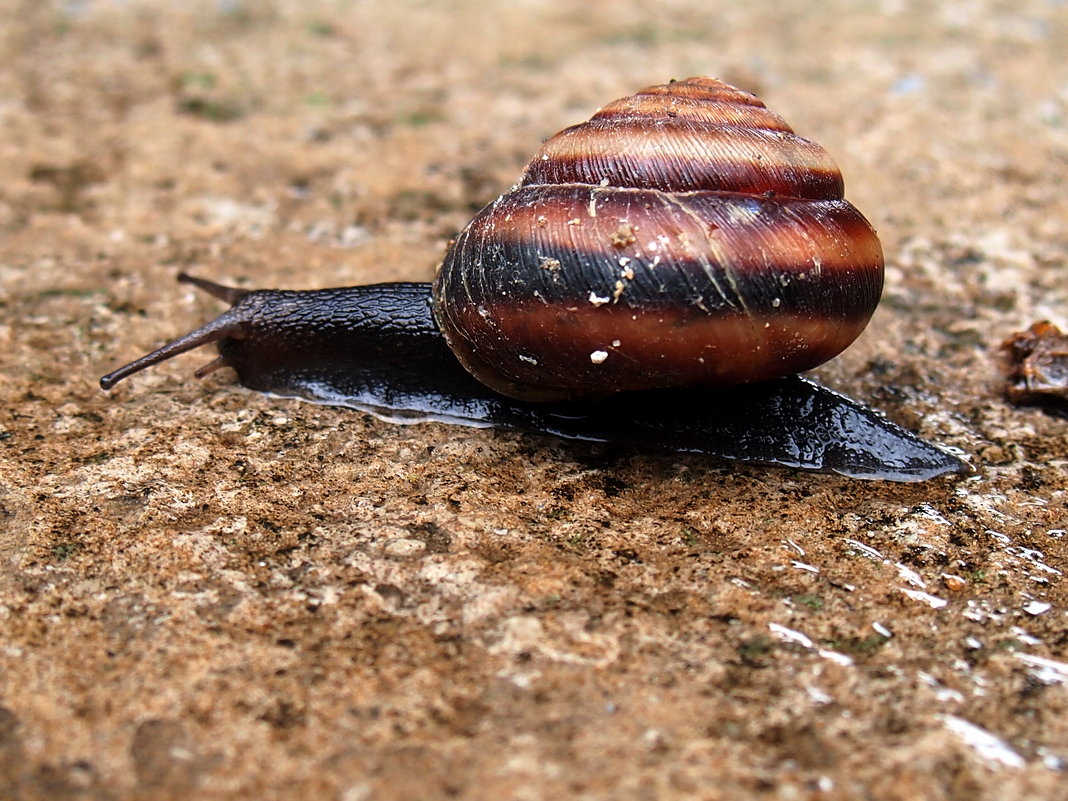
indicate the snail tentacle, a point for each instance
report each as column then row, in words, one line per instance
column 229, row 294
column 229, row 325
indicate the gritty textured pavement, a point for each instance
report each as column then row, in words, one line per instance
column 208, row 593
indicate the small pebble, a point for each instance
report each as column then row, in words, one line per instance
column 404, row 547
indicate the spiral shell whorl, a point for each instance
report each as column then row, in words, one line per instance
column 694, row 135
column 682, row 236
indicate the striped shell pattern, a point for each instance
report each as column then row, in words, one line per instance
column 683, row 236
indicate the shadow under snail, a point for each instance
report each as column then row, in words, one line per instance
column 658, row 276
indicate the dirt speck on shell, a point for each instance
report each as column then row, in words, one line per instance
column 208, row 593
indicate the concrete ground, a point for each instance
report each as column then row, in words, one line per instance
column 209, row 593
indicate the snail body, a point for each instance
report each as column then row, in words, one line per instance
column 682, row 252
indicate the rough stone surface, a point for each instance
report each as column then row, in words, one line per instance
column 207, row 593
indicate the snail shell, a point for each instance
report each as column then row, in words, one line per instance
column 682, row 236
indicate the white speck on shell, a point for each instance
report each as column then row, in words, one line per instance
column 598, row 356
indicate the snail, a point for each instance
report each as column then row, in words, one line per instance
column 659, row 275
